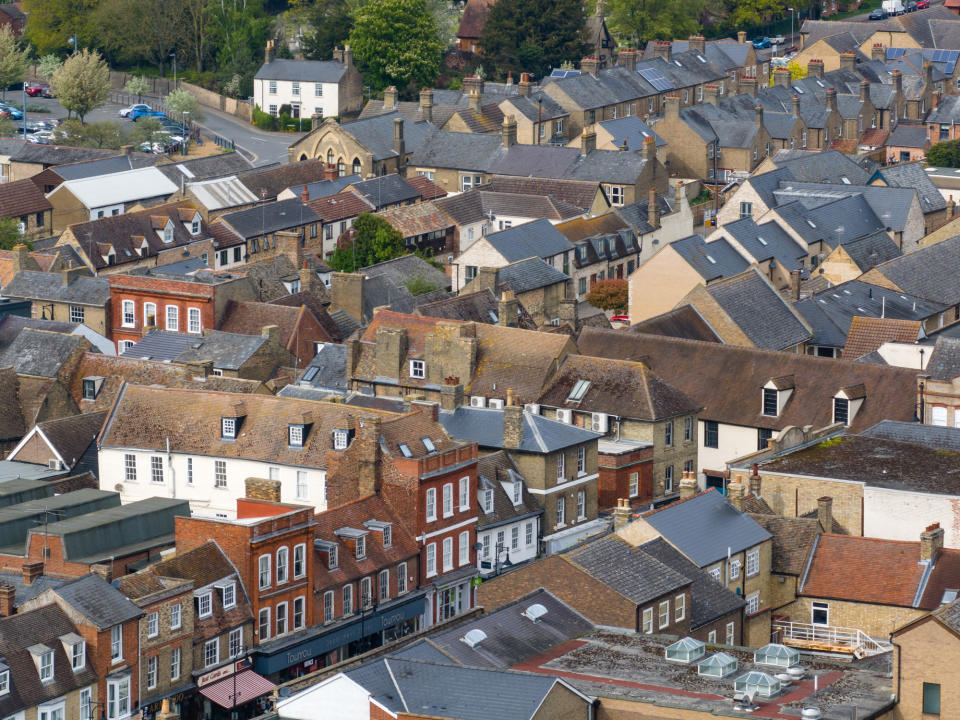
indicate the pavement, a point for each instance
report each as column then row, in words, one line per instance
column 260, row 146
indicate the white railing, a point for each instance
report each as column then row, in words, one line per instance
column 829, row 637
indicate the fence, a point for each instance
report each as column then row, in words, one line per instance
column 157, row 86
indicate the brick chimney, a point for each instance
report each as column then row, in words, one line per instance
column 590, row 65
column 330, row 171
column 261, row 489
column 474, row 101
column 621, row 513
column 815, row 68
column 200, row 369
column 878, row 52
column 679, row 195
column 711, row 94
column 451, row 394
column 304, row 194
column 512, row 425
column 473, row 82
column 864, row 91
column 390, row 98
column 796, row 105
column 671, row 107
column 758, row 114
column 653, row 209
column 398, row 145
column 31, row 571
column 931, row 542
column 368, row 448
column 663, row 49
column 825, row 514
column 748, row 86
column 288, row 243
column 103, row 570
column 897, row 82
column 688, row 485
column 735, row 493
column 650, row 150
column 346, row 293
column 832, row 99
column 588, row 140
column 272, row 333
column 627, row 58
column 781, row 76
column 697, row 43
column 507, row 308
column 755, row 481
column 525, row 86
column 928, row 73
column 308, row 278
column 8, row 605
column 426, row 104
column 21, row 259
column 742, row 37
column 795, row 285
column 269, row 54
column 509, row 130
column 848, row 61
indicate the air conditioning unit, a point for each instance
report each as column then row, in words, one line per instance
column 54, row 464
column 495, row 403
column 565, row 416
column 478, row 401
column 532, row 408
column 598, row 422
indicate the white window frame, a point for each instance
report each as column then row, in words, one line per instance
column 731, row 630
column 465, row 493
column 172, row 316
column 431, row 504
column 463, row 551
column 753, row 600
column 156, row 469
column 299, row 612
column 448, row 500
column 46, row 667
column 78, row 655
column 753, row 562
column 347, row 596
column 634, row 480
column 581, row 461
column 418, row 369
column 734, row 570
column 431, row 559
column 561, row 466
column 581, row 505
column 176, row 616
column 175, row 663
column 149, row 310
column 229, row 596
column 282, row 619
column 128, row 314
column 264, row 576
column 383, row 585
column 116, row 644
column 447, row 556
column 205, row 605
column 663, row 614
column 118, row 698
column 647, row 625
column 153, row 624
column 401, row 578
column 214, row 646
column 220, row 474
column 561, row 511
column 263, row 621
column 679, row 608
column 193, row 321
column 153, row 663
column 299, row 559
column 130, row 467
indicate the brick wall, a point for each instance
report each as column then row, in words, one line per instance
column 793, row 497
column 875, row 620
column 912, row 667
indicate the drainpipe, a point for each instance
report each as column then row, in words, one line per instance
column 899, row 652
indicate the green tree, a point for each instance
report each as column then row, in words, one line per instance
column 10, row 234
column 754, row 12
column 103, row 134
column 532, row 36
column 54, row 22
column 7, row 127
column 137, row 85
column 13, row 59
column 82, row 83
column 944, row 154
column 332, row 22
column 182, row 101
column 47, row 66
column 638, row 22
column 374, row 240
column 395, row 42
column 609, row 294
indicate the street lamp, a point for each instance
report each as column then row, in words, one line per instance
column 186, row 127
column 791, row 25
column 73, row 41
column 174, row 56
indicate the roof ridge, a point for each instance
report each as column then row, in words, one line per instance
column 680, row 501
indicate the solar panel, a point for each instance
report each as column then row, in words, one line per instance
column 564, row 73
column 655, row 78
column 947, row 56
column 894, row 53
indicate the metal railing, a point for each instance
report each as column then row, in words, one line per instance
column 829, row 637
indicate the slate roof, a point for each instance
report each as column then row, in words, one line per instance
column 912, row 135
column 868, row 252
column 402, row 269
column 46, row 286
column 43, row 626
column 681, row 322
column 227, row 350
column 949, row 615
column 477, row 204
column 485, row 427
column 712, row 260
column 265, row 183
column 386, row 190
column 890, row 205
column 868, row 334
column 911, row 273
column 528, row 275
column 39, row 353
column 913, row 175
column 705, row 526
column 327, row 369
column 538, row 238
column 464, row 151
column 324, row 188
column 636, row 575
column 690, row 366
column 270, row 217
column 204, row 168
column 22, row 197
column 511, row 637
column 944, row 363
column 709, row 600
column 579, row 193
column 314, row 71
column 497, row 468
column 98, row 601
column 767, row 242
column 376, row 134
column 632, row 129
column 943, row 438
column 759, row 311
column 617, row 387
column 481, row 306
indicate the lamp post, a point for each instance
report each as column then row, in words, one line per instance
column 791, row 25
column 186, row 134
column 73, row 41
column 174, row 56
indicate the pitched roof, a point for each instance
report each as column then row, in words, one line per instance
column 402, row 269
column 712, row 260
column 98, row 601
column 538, row 238
column 204, row 168
column 869, row 333
column 681, row 322
column 428, row 189
column 688, row 365
column 944, row 363
column 376, row 134
column 709, row 600
column 913, row 175
column 339, row 206
column 47, row 286
column 477, row 204
column 911, row 273
column 579, row 193
column 22, row 197
column 494, row 470
column 270, row 217
column 12, row 423
column 414, row 220
column 527, row 275
column 249, row 318
column 315, row 71
column 71, row 436
column 386, row 190
column 474, row 17
column 265, row 183
column 616, row 387
column 943, row 438
column 481, row 306
column 39, row 353
column 484, row 426
column 121, row 187
column 759, row 311
column 793, row 540
column 227, row 350
column 705, row 527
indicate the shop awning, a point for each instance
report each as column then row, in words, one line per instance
column 249, row 686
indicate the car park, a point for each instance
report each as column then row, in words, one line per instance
column 10, row 111
column 125, row 112
column 137, row 114
column 38, row 89
column 923, row 4
column 777, row 40
column 761, row 43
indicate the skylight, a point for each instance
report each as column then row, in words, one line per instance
column 428, row 444
column 535, row 612
column 762, row 241
column 811, row 223
column 844, row 179
column 474, row 637
column 798, row 89
column 701, row 58
column 579, row 390
column 405, row 450
column 711, row 260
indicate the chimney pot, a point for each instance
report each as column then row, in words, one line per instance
column 931, row 542
column 688, row 485
column 621, row 514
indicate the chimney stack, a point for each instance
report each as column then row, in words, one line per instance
column 951, row 207
column 848, row 61
column 663, row 49
column 21, row 259
column 347, row 56
column 878, row 52
column 368, row 443
column 346, row 293
column 653, row 210
column 928, row 73
column 627, row 58
column 832, row 99
column 864, row 91
column 735, row 493
column 748, row 86
column 697, row 43
column 471, row 83
column 305, row 194
column 509, row 131
column 825, row 514
column 897, row 83
column 474, row 101
column 742, row 37
column 270, row 53
column 507, row 308
column 815, row 68
column 931, row 542
column 688, row 485
column 525, row 86
column 103, row 570
column 451, row 394
column 390, row 98
column 512, row 426
column 781, row 76
column 711, row 94
column 398, row 145
column 621, row 513
column 796, row 105
column 308, row 278
column 330, row 171
column 671, row 107
column 755, row 481
column 588, row 141
column 795, row 285
column 590, row 65
column 288, row 244
column 8, row 604
column 679, row 195
column 426, row 104
column 758, row 113
column 649, row 150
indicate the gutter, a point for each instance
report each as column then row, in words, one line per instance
column 806, row 570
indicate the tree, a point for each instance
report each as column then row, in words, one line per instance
column 10, row 234
column 137, row 85
column 797, row 72
column 182, row 101
column 145, row 131
column 103, row 134
column 944, row 154
column 54, row 22
column 754, row 12
column 13, row 59
column 609, row 294
column 332, row 22
column 395, row 42
column 47, row 66
column 82, row 83
column 7, row 127
column 533, row 36
column 374, row 240
column 637, row 23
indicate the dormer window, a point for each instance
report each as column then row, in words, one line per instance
column 361, row 547
column 75, row 648
column 775, row 394
column 295, row 435
column 228, row 428
column 228, row 593
column 488, row 501
column 770, row 402
column 387, row 536
column 91, row 387
column 517, row 492
column 330, row 548
column 340, row 439
column 841, row 410
column 847, row 402
column 43, row 659
column 418, row 369
column 195, row 225
column 204, row 605
column 384, row 528
column 333, row 557
column 168, row 233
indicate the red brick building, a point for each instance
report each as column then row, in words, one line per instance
column 625, row 470
column 178, row 303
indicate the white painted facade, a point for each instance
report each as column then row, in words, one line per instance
column 340, row 697
column 525, row 532
column 194, row 478
column 310, row 98
column 904, row 514
column 734, row 441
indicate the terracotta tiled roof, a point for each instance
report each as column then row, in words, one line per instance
column 271, row 181
column 141, row 586
column 580, row 193
column 473, row 307
column 249, row 318
column 869, row 333
column 410, row 429
column 223, row 235
column 875, row 137
column 417, row 328
column 580, row 228
column 343, row 205
column 145, row 417
column 21, row 198
column 419, row 219
column 428, row 189
column 474, row 18
column 353, row 515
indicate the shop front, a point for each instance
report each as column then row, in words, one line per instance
column 177, row 700
column 326, row 645
column 234, row 692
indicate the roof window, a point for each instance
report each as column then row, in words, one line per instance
column 579, row 390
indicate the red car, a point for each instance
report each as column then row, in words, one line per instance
column 923, row 4
column 35, row 89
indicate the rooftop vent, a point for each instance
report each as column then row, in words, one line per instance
column 535, row 612
column 474, row 637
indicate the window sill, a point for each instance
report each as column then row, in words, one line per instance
column 560, row 526
column 447, row 515
column 432, row 519
column 581, row 518
column 431, row 574
column 115, row 661
column 464, row 508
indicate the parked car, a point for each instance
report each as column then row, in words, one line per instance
column 761, row 43
column 42, row 137
column 923, row 4
column 37, row 89
column 10, row 111
column 137, row 114
column 125, row 112
column 777, row 39
column 878, row 14
column 910, row 6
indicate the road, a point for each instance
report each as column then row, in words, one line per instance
column 263, row 148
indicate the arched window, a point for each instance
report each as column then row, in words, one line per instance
column 341, row 167
column 356, row 166
column 330, row 157
column 303, row 157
